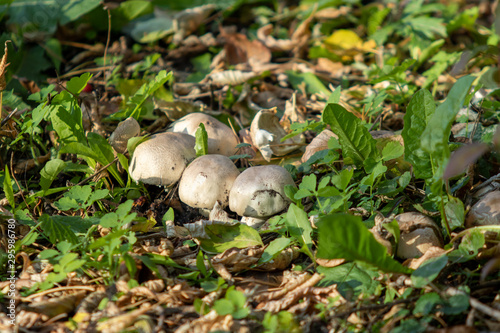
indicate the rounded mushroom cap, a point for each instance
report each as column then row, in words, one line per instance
column 125, row 130
column 486, row 211
column 259, row 191
column 162, row 159
column 221, row 139
column 207, row 179
column 418, row 233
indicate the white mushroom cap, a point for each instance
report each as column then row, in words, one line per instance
column 221, row 138
column 208, row 179
column 259, row 191
column 418, row 233
column 125, row 130
column 162, row 159
column 486, row 211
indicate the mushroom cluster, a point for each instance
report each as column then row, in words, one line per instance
column 255, row 194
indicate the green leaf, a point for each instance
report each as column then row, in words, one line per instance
column 299, row 227
column 57, row 231
column 392, row 150
column 7, row 187
column 343, row 236
column 76, row 84
column 455, row 212
column 201, row 146
column 435, row 137
column 429, row 270
column 418, row 113
column 67, row 122
column 274, row 249
column 355, row 139
column 311, row 82
column 426, row 303
column 308, row 183
column 224, row 307
column 50, row 172
column 226, row 236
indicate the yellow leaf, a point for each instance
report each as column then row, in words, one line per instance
column 344, row 40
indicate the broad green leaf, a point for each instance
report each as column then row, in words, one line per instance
column 455, row 212
column 342, row 180
column 75, row 198
column 76, row 84
column 355, row 139
column 133, row 9
column 429, row 270
column 274, row 249
column 308, row 183
column 426, row 303
column 224, row 236
column 418, row 113
column 7, row 188
column 50, row 172
column 57, row 231
column 397, row 73
column 392, row 150
column 312, row 83
column 435, row 137
column 201, row 146
column 343, row 236
column 299, row 227
column 75, row 223
column 351, row 279
column 67, row 122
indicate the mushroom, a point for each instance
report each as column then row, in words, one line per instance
column 267, row 133
column 486, row 211
column 206, row 180
column 258, row 193
column 221, row 138
column 418, row 233
column 162, row 159
column 125, row 130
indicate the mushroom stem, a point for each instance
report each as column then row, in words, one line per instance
column 254, row 222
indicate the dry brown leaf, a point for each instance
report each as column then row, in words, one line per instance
column 208, row 323
column 291, row 280
column 302, row 35
column 3, row 67
column 432, row 252
column 27, row 165
column 238, row 49
column 329, row 262
column 156, row 286
column 121, row 322
column 187, row 21
column 292, row 114
column 282, row 261
column 264, row 35
column 319, row 143
column 236, row 260
column 306, row 290
column 54, row 306
column 230, row 77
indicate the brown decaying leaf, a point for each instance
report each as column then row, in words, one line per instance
column 238, row 49
column 3, row 67
column 187, row 21
column 432, row 252
column 461, row 158
column 264, row 35
column 282, row 261
column 319, row 143
column 208, row 323
column 27, row 165
column 58, row 305
column 303, row 291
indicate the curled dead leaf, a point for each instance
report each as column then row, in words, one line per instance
column 267, row 133
column 3, row 67
column 319, row 143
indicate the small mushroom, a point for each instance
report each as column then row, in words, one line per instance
column 125, row 130
column 162, row 159
column 486, row 211
column 418, row 233
column 267, row 133
column 258, row 193
column 221, row 138
column 208, row 179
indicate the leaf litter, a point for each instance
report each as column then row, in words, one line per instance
column 112, row 255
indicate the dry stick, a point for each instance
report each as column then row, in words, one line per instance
column 53, row 290
column 486, row 183
column 107, row 39
column 97, row 172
